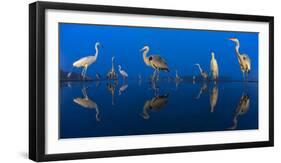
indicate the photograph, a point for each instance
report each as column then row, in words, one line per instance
column 131, row 80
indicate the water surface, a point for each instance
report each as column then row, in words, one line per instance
column 138, row 107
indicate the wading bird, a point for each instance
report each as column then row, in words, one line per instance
column 243, row 59
column 178, row 78
column 85, row 62
column 156, row 103
column 86, row 102
column 214, row 97
column 112, row 74
column 123, row 73
column 154, row 61
column 214, row 67
column 203, row 73
column 241, row 109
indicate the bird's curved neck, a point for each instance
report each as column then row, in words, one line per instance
column 119, row 68
column 97, row 51
column 200, row 69
column 237, row 48
column 145, row 59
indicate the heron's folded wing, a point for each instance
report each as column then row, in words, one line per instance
column 159, row 62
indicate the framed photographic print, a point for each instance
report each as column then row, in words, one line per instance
column 117, row 81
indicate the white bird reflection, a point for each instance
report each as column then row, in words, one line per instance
column 204, row 88
column 156, row 103
column 122, row 88
column 86, row 102
column 214, row 97
column 241, row 109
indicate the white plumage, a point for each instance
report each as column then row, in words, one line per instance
column 122, row 72
column 85, row 62
column 214, row 67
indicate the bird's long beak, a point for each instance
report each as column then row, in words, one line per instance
column 232, row 39
column 141, row 49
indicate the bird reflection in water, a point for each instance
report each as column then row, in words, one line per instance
column 122, row 88
column 156, row 103
column 241, row 109
column 214, row 97
column 111, row 88
column 154, row 87
column 178, row 80
column 86, row 102
column 203, row 89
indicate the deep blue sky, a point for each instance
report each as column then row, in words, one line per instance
column 180, row 48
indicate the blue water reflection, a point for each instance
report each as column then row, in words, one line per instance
column 138, row 107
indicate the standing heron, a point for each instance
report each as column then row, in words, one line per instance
column 112, row 74
column 154, row 61
column 214, row 67
column 86, row 102
column 123, row 73
column 85, row 62
column 243, row 59
column 203, row 73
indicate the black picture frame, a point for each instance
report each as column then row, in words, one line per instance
column 37, row 80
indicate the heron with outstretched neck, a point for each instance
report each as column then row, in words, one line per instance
column 123, row 73
column 243, row 59
column 85, row 62
column 154, row 61
column 203, row 73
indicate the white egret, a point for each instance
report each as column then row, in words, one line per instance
column 122, row 72
column 85, row 62
column 243, row 59
column 154, row 61
column 203, row 73
column 214, row 67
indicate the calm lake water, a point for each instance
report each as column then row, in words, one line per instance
column 138, row 107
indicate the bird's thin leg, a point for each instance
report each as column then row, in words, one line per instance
column 84, row 75
column 84, row 93
column 97, row 114
column 82, row 71
column 243, row 76
column 158, row 74
column 154, row 75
